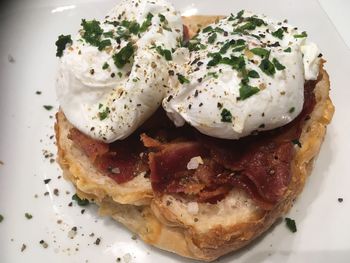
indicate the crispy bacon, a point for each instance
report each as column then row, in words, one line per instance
column 259, row 164
column 92, row 148
column 121, row 160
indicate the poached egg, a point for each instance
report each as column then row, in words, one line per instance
column 243, row 74
column 113, row 75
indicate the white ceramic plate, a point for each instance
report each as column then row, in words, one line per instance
column 28, row 64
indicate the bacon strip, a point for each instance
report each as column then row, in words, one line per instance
column 259, row 165
column 92, row 148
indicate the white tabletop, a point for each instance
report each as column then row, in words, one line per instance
column 338, row 13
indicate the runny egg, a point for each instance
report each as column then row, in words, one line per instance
column 114, row 74
column 243, row 74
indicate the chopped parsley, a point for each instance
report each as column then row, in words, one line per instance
column 164, row 52
column 261, row 52
column 104, row 114
column 245, row 91
column 253, row 74
column 28, row 216
column 288, row 50
column 123, row 56
column 302, row 35
column 226, row 46
column 108, row 34
column 212, row 38
column 252, row 23
column 216, row 58
column 80, row 202
column 213, row 74
column 226, row 115
column 48, row 107
column 278, row 33
column 1, row 218
column 277, row 64
column 132, row 26
column 61, row 43
column 92, row 32
column 237, row 63
column 103, row 44
column 145, row 25
column 296, row 142
column 162, row 18
column 207, row 29
column 292, row 109
column 239, row 14
column 290, row 223
column 105, row 65
column 267, row 67
column 182, row 79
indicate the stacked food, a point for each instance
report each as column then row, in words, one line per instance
column 196, row 133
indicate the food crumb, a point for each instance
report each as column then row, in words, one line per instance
column 46, row 181
column 11, row 59
column 127, row 258
column 1, row 162
column 38, row 92
column 56, row 192
column 24, row 246
column 340, row 200
column 98, row 241
column 28, row 216
column 134, row 237
column 43, row 243
column 73, row 232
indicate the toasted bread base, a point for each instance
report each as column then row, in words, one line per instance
column 168, row 223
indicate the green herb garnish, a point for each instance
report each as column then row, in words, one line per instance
column 207, row 29
column 291, row 224
column 182, row 79
column 28, row 216
column 212, row 38
column 164, row 52
column 61, row 43
column 302, row 35
column 216, row 58
column 48, row 107
column 226, row 46
column 288, row 50
column 123, row 56
column 80, row 202
column 292, row 109
column 105, row 65
column 92, row 32
column 226, row 115
column 104, row 114
column 245, row 91
column 296, row 142
column 1, row 218
column 267, row 67
column 261, row 52
column 278, row 33
column 213, row 74
column 145, row 25
column 277, row 64
column 162, row 18
column 253, row 74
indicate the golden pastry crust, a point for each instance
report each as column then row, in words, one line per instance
column 166, row 222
